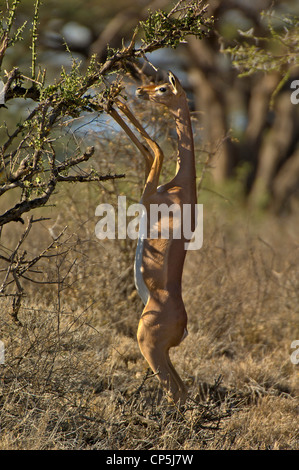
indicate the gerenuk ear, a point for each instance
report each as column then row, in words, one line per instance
column 173, row 82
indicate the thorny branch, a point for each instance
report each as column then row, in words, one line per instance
column 20, row 266
column 30, row 160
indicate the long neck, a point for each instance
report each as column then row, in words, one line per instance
column 186, row 160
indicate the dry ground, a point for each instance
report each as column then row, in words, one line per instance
column 74, row 378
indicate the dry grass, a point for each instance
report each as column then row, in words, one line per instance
column 74, row 378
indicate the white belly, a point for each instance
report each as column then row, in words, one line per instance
column 138, row 275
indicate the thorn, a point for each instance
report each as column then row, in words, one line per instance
column 132, row 43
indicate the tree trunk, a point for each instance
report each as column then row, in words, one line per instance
column 274, row 148
column 211, row 102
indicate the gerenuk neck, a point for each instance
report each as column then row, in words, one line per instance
column 186, row 159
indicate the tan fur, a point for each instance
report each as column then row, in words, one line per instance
column 163, row 322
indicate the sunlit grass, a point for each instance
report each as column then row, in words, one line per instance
column 74, row 378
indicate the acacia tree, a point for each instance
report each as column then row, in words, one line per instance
column 30, row 165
